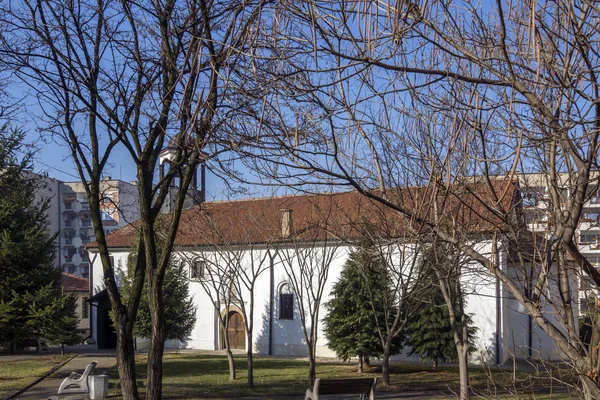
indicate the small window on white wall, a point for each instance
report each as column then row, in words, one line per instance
column 286, row 302
column 197, row 269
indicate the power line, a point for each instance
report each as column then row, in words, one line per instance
column 59, row 170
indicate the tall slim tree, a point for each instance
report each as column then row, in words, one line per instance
column 31, row 300
column 430, row 332
column 359, row 302
column 307, row 260
column 180, row 310
column 143, row 77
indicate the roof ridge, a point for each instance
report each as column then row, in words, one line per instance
column 75, row 276
column 266, row 197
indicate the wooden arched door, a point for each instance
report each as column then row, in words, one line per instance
column 236, row 332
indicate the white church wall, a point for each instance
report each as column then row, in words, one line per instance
column 287, row 337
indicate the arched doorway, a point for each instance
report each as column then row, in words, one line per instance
column 236, row 332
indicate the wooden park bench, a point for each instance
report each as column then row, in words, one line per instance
column 38, row 344
column 365, row 387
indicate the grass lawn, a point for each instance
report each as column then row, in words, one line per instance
column 202, row 375
column 16, row 374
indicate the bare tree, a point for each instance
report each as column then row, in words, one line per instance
column 307, row 261
column 450, row 271
column 139, row 76
column 217, row 281
column 381, row 95
column 238, row 251
column 401, row 259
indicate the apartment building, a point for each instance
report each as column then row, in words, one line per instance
column 536, row 206
column 69, row 215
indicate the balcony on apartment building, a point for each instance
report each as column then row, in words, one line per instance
column 68, row 214
column 69, row 225
column 70, row 268
column 84, row 270
column 83, row 253
column 84, row 210
column 85, row 223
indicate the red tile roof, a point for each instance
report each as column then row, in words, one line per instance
column 339, row 215
column 74, row 283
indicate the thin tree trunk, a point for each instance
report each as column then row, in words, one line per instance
column 230, row 360
column 157, row 342
column 463, row 370
column 385, row 362
column 312, row 367
column 250, row 362
column 360, row 364
column 231, row 363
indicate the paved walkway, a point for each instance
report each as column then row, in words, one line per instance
column 380, row 395
column 48, row 388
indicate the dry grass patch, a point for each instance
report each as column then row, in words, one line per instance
column 203, row 375
column 14, row 375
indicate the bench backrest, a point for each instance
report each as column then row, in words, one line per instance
column 90, row 368
column 344, row 386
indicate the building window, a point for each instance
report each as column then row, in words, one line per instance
column 84, row 308
column 286, row 302
column 197, row 269
column 588, row 238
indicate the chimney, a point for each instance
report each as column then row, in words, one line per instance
column 108, row 178
column 286, row 223
column 134, row 183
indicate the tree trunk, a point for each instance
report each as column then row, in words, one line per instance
column 157, row 342
column 463, row 370
column 62, row 349
column 126, row 364
column 312, row 368
column 360, row 364
column 385, row 363
column 590, row 388
column 250, row 362
column 230, row 360
column 231, row 363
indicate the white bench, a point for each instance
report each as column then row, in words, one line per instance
column 365, row 387
column 79, row 381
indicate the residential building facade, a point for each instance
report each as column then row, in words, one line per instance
column 537, row 205
column 69, row 215
column 80, row 288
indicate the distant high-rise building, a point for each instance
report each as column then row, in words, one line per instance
column 69, row 215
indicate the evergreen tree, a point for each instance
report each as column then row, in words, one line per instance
column 361, row 295
column 31, row 300
column 180, row 311
column 429, row 331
